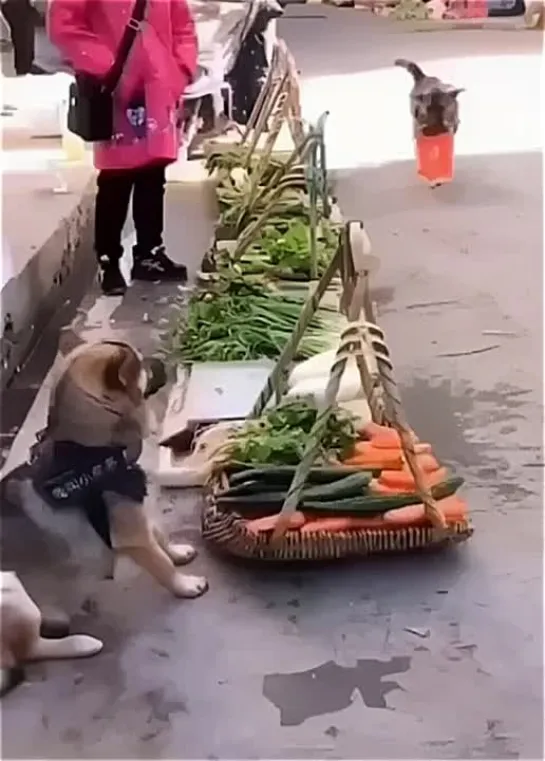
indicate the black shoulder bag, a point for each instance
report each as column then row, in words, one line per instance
column 90, row 100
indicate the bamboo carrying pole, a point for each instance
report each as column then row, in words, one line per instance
column 393, row 413
column 275, row 383
column 267, row 198
column 354, row 266
column 281, row 77
column 262, row 105
column 346, row 349
column 357, row 290
column 271, row 194
column 278, row 103
column 395, row 416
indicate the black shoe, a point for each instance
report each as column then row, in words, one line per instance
column 157, row 267
column 34, row 70
column 37, row 70
column 113, row 283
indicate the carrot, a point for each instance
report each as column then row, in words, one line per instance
column 403, row 480
column 427, row 462
column 375, row 487
column 419, row 447
column 368, row 463
column 297, row 520
column 410, row 515
column 369, row 449
column 371, row 430
column 364, row 455
column 346, row 523
column 453, row 508
column 422, row 447
column 383, row 436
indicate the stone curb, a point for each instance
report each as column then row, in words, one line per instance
column 447, row 25
column 491, row 24
column 62, row 267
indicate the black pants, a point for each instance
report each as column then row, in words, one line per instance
column 513, row 9
column 21, row 19
column 250, row 68
column 147, row 186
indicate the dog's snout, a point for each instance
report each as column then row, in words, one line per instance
column 156, row 375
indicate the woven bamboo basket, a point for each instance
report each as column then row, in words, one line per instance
column 228, row 534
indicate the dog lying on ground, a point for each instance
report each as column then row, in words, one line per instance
column 87, row 458
column 21, row 639
column 534, row 15
column 434, row 104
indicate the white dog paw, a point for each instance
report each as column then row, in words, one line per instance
column 181, row 554
column 85, row 646
column 189, row 586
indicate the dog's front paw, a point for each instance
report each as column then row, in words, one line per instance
column 181, row 554
column 55, row 623
column 189, row 586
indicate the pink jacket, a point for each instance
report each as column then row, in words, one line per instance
column 162, row 61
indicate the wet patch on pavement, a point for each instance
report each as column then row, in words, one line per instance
column 330, row 688
column 487, row 435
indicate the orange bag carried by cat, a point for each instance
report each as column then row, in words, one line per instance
column 435, row 158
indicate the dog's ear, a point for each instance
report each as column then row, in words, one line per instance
column 122, row 372
column 455, row 91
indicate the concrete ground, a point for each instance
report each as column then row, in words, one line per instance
column 416, row 657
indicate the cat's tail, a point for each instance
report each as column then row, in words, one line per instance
column 74, row 646
column 412, row 68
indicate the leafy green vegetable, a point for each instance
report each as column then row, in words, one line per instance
column 279, row 437
column 236, row 213
column 231, row 327
column 407, row 10
column 281, row 253
column 285, row 253
column 222, row 160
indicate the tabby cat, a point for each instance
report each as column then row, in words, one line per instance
column 434, row 104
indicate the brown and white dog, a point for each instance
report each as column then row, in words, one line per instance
column 86, row 459
column 21, row 637
column 534, row 15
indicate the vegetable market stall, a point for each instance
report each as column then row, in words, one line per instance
column 304, row 480
column 275, row 229
column 325, row 464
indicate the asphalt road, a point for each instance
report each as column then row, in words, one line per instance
column 422, row 657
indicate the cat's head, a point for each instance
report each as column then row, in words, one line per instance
column 437, row 107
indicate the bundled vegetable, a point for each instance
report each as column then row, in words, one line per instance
column 236, row 211
column 372, row 489
column 221, row 159
column 241, row 200
column 229, row 327
column 263, row 492
column 282, row 252
column 279, row 436
column 285, row 253
column 453, row 509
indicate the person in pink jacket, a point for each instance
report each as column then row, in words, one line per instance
column 161, row 64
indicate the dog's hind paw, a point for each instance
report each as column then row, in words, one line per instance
column 189, row 586
column 181, row 554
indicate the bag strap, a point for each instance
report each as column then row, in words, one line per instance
column 134, row 25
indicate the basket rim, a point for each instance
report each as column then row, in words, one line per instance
column 214, row 484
